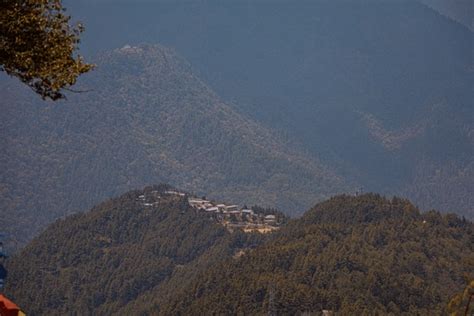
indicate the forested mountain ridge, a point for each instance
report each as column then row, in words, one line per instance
column 99, row 261
column 350, row 254
column 146, row 118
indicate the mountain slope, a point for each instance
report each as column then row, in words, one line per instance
column 352, row 255
column 148, row 119
column 317, row 70
column 460, row 11
column 99, row 261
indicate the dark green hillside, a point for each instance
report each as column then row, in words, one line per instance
column 100, row 261
column 354, row 255
column 148, row 119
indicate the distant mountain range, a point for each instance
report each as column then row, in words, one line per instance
column 379, row 90
column 352, row 255
column 281, row 104
column 148, row 119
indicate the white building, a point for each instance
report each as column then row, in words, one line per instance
column 231, row 208
column 270, row 219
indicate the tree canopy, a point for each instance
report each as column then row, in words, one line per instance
column 38, row 45
column 149, row 253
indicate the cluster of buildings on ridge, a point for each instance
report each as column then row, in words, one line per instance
column 234, row 217
column 231, row 216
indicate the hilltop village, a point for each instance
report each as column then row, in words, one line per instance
column 231, row 216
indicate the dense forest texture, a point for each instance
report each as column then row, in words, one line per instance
column 353, row 255
column 149, row 119
column 381, row 90
column 99, row 261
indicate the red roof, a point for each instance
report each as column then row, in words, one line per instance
column 7, row 307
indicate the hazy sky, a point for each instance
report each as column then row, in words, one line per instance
column 461, row 11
